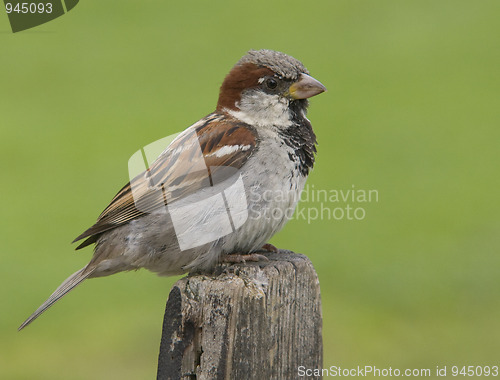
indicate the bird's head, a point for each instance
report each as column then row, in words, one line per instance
column 267, row 88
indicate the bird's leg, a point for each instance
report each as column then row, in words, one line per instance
column 270, row 248
column 242, row 258
column 239, row 258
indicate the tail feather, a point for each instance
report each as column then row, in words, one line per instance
column 70, row 283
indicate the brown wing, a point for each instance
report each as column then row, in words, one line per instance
column 197, row 158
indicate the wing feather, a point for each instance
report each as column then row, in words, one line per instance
column 196, row 158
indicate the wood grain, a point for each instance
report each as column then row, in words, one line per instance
column 246, row 321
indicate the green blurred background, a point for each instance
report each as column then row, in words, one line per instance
column 412, row 111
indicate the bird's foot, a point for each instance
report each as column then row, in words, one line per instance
column 269, row 248
column 238, row 258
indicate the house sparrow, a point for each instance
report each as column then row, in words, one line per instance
column 221, row 189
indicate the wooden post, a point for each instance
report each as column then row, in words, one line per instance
column 246, row 321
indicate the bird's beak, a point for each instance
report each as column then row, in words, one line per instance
column 305, row 87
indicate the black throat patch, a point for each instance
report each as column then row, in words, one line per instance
column 301, row 138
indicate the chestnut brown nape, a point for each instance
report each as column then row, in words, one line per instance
column 241, row 77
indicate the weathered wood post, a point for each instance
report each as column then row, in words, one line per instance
column 246, row 321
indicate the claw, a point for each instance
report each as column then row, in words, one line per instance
column 237, row 258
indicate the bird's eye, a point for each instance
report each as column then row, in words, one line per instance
column 271, row 83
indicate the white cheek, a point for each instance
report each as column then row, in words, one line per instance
column 263, row 110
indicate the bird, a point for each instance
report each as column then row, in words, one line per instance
column 221, row 189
